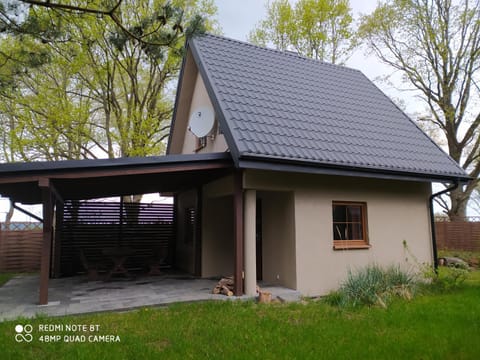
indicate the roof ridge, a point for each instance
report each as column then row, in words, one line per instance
column 282, row 52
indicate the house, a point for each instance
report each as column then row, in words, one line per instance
column 284, row 169
column 334, row 175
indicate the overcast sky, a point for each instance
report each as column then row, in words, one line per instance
column 238, row 17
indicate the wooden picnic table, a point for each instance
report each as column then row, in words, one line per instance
column 118, row 255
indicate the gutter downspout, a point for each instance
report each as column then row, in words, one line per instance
column 432, row 222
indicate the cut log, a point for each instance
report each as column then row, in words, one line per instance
column 226, row 291
column 265, row 297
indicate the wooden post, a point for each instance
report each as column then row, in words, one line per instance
column 238, row 236
column 47, row 239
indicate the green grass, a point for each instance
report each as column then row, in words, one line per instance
column 4, row 277
column 432, row 326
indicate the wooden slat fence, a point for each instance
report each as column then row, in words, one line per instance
column 460, row 234
column 20, row 250
column 94, row 226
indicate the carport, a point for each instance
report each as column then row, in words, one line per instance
column 52, row 183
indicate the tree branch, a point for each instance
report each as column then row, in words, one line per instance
column 73, row 8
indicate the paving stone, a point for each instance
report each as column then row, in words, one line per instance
column 19, row 297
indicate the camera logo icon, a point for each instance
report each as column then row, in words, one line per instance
column 23, row 333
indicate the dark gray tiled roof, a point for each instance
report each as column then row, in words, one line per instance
column 281, row 106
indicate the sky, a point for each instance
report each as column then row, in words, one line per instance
column 238, row 17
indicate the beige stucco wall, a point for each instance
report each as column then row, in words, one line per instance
column 278, row 238
column 217, row 236
column 185, row 94
column 215, row 141
column 397, row 211
column 217, row 228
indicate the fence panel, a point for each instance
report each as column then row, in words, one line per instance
column 94, row 226
column 20, row 250
column 458, row 235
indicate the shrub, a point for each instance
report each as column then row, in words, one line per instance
column 373, row 285
column 450, row 277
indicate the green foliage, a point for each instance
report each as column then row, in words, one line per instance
column 320, row 29
column 449, row 277
column 94, row 87
column 374, row 285
column 445, row 278
column 435, row 47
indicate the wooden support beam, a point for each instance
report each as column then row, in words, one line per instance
column 28, row 213
column 238, row 229
column 46, row 243
column 46, row 182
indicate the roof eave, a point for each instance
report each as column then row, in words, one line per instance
column 254, row 162
column 50, row 168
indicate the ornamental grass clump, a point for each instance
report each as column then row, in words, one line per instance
column 374, row 285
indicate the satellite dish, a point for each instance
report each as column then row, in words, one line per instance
column 202, row 121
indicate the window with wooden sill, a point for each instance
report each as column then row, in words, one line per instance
column 349, row 225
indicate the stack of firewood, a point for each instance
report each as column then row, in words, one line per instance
column 224, row 286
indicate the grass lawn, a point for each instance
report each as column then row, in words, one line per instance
column 4, row 277
column 432, row 326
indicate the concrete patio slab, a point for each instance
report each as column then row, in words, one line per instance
column 76, row 295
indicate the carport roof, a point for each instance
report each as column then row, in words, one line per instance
column 86, row 179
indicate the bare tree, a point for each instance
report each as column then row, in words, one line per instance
column 435, row 45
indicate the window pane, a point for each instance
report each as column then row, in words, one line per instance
column 348, row 221
column 339, row 213
column 354, row 213
column 355, row 231
column 340, row 232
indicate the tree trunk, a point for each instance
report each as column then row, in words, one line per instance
column 8, row 217
column 459, row 199
column 132, row 208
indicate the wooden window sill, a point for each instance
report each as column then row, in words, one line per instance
column 351, row 247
